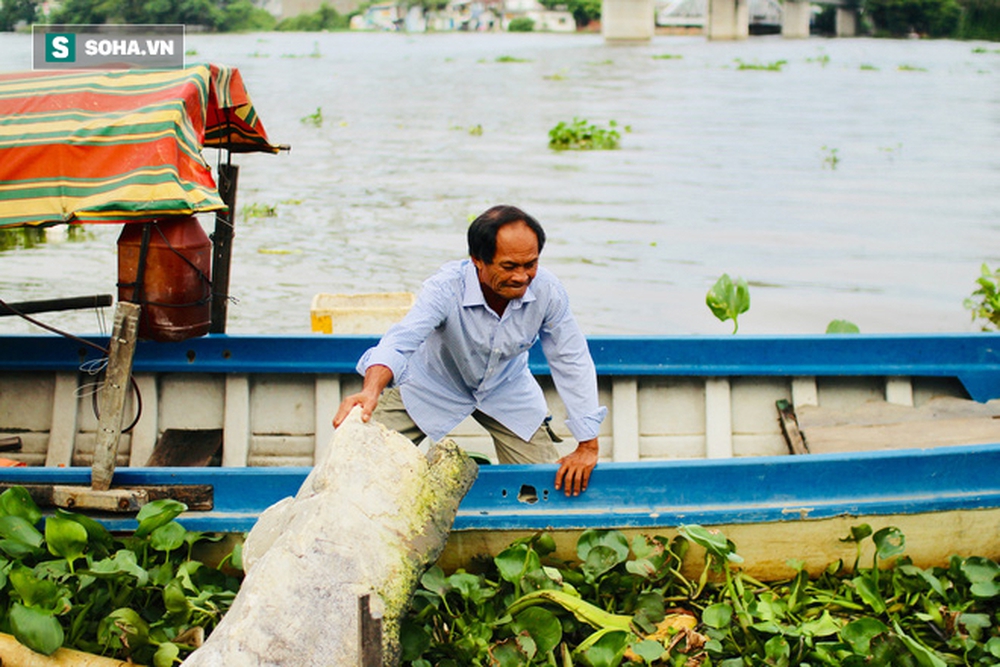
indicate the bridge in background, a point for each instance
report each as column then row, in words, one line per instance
column 631, row 20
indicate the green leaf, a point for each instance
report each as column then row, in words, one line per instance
column 593, row 538
column 649, row 611
column 39, row 631
column 435, row 581
column 541, row 625
column 982, row 574
column 514, row 561
column 35, row 591
column 544, row 544
column 889, row 542
column 123, row 627
column 925, row 657
column 469, row 586
column 99, row 538
column 167, row 537
column 123, row 562
column 729, row 299
column 167, row 654
column 824, row 626
column 600, row 559
column 713, row 541
column 859, row 633
column 16, row 501
column 509, row 654
column 604, row 648
column 649, row 650
column 842, row 327
column 20, row 538
column 414, row 639
column 858, row 533
column 175, row 601
column 718, row 615
column 777, row 650
column 65, row 538
column 157, row 513
column 652, row 555
column 869, row 593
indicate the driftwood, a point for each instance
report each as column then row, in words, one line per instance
column 368, row 520
column 15, row 654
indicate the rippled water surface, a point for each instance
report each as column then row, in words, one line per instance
column 860, row 182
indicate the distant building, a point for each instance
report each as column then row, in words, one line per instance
column 545, row 20
column 383, row 16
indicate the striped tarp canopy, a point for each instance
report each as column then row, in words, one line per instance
column 118, row 145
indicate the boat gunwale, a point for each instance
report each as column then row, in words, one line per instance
column 757, row 490
column 974, row 359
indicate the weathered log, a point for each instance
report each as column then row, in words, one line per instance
column 372, row 515
column 15, row 654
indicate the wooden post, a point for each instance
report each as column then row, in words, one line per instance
column 222, row 246
column 369, row 635
column 112, row 397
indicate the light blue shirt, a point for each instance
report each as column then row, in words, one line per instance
column 452, row 354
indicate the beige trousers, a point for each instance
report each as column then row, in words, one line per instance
column 391, row 413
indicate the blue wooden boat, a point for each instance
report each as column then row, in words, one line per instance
column 270, row 399
column 885, row 429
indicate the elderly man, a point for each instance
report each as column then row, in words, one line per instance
column 463, row 350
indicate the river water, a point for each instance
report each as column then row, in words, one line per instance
column 859, row 182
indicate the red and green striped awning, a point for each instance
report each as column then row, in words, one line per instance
column 118, row 146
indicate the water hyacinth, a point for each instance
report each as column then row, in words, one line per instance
column 629, row 604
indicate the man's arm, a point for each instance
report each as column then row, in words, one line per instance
column 575, row 377
column 575, row 468
column 377, row 378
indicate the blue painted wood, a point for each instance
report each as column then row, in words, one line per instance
column 974, row 359
column 633, row 495
column 748, row 490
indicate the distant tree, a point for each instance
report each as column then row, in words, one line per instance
column 244, row 16
column 81, row 12
column 521, row 24
column 980, row 20
column 13, row 12
column 325, row 18
column 188, row 12
column 898, row 18
column 583, row 11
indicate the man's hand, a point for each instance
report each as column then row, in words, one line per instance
column 575, row 468
column 376, row 379
column 366, row 402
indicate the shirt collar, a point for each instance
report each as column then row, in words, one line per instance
column 473, row 294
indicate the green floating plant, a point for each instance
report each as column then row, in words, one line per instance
column 985, row 301
column 628, row 603
column 728, row 299
column 71, row 583
column 582, row 135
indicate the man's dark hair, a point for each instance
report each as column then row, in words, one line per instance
column 483, row 230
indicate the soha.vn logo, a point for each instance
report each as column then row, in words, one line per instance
column 62, row 48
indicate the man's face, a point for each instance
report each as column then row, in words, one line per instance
column 514, row 265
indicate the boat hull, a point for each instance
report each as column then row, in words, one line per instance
column 945, row 500
column 694, row 436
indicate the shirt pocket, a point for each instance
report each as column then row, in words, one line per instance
column 517, row 346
